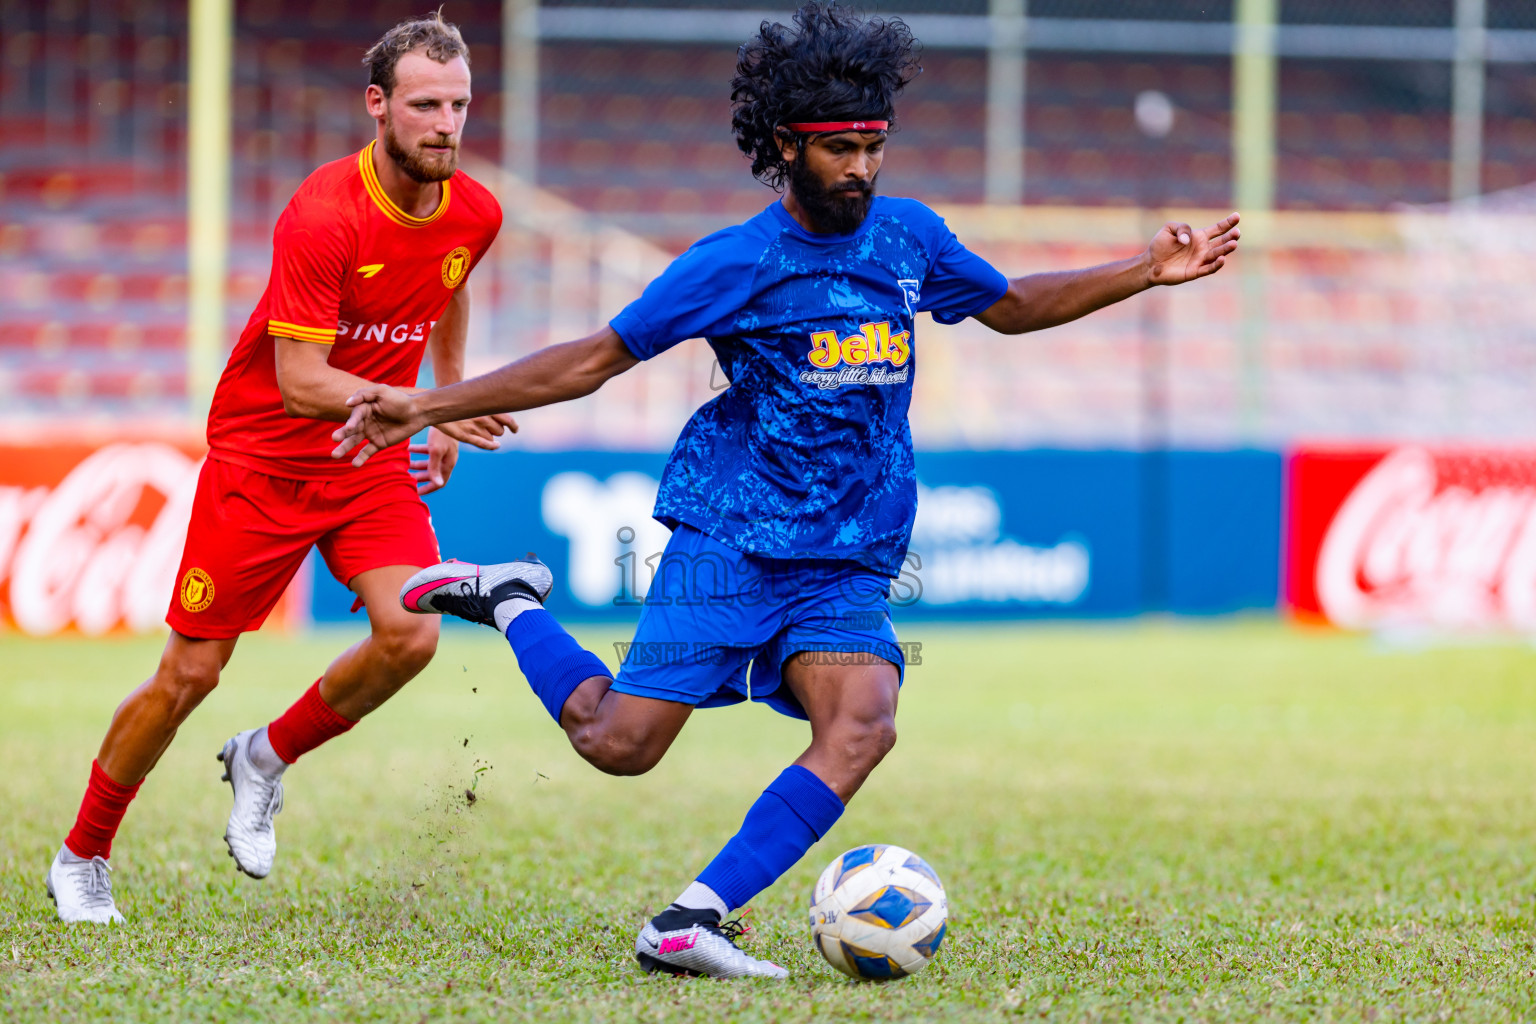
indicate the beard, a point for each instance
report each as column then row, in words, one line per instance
column 838, row 209
column 420, row 166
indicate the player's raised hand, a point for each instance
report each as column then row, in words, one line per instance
column 381, row 416
column 482, row 431
column 1179, row 253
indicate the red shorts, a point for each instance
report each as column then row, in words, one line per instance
column 250, row 532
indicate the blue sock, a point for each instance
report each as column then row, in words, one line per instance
column 553, row 661
column 794, row 811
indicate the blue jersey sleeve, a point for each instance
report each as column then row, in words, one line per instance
column 959, row 283
column 697, row 296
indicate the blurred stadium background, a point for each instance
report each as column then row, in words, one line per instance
column 1372, row 350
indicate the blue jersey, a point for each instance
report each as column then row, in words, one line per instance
column 808, row 453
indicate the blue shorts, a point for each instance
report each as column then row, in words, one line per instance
column 712, row 612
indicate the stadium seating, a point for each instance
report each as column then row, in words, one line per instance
column 92, row 222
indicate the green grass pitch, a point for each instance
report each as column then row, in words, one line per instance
column 1139, row 822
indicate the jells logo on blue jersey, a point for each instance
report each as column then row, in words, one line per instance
column 856, row 355
column 873, row 344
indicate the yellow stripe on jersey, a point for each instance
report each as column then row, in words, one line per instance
column 299, row 332
column 381, row 198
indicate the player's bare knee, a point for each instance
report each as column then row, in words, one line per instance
column 876, row 739
column 632, row 760
column 614, row 753
column 407, row 649
column 587, row 740
column 609, row 755
column 885, row 735
column 186, row 681
column 862, row 743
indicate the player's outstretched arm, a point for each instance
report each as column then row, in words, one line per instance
column 1178, row 253
column 311, row 387
column 382, row 416
column 446, row 346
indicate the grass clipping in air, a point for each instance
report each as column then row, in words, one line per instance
column 1135, row 822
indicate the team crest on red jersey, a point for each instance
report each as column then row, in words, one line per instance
column 455, row 266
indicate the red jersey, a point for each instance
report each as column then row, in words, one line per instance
column 350, row 269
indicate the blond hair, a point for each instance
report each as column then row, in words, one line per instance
column 439, row 39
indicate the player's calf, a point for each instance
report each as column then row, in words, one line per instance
column 852, row 710
column 79, row 879
column 848, row 749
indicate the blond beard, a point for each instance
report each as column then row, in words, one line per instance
column 411, row 162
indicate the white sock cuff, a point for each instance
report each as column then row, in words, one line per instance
column 511, row 608
column 699, row 896
column 263, row 756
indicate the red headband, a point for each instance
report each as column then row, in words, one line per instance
column 822, row 127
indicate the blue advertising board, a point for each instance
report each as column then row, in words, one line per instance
column 1037, row 533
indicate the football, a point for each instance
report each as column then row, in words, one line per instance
column 878, row 912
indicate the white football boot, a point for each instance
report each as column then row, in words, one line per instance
column 472, row 591
column 695, row 943
column 82, row 889
column 258, row 796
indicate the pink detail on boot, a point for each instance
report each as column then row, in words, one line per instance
column 410, row 600
column 678, row 943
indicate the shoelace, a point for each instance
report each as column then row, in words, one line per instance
column 94, row 884
column 273, row 799
column 465, row 604
column 734, row 929
column 274, row 802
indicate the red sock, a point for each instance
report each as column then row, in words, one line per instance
column 306, row 725
column 101, row 812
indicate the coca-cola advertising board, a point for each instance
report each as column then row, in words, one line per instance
column 1410, row 537
column 91, row 534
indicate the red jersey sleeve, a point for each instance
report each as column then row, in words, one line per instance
column 486, row 214
column 311, row 253
column 491, row 221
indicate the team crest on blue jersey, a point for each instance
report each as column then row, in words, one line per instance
column 911, row 291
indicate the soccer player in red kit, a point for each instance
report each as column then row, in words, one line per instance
column 369, row 268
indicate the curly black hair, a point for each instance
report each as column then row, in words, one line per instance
column 834, row 65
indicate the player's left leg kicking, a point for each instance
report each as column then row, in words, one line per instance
column 852, row 711
column 248, row 535
column 849, row 701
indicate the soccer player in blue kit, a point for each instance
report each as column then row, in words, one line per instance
column 791, row 494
